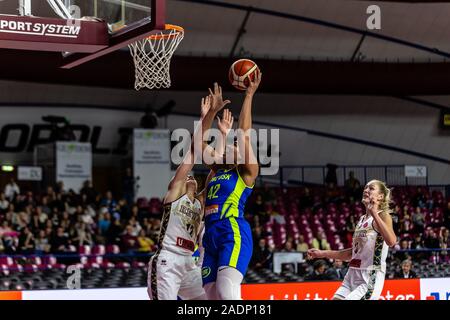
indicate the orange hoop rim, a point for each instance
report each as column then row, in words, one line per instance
column 172, row 27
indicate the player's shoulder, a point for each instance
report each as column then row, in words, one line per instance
column 171, row 198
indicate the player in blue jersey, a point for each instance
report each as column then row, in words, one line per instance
column 228, row 239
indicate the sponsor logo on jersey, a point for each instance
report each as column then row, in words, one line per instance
column 212, row 209
column 187, row 211
column 226, row 176
column 360, row 234
column 206, row 271
column 186, row 244
column 163, row 262
column 365, row 225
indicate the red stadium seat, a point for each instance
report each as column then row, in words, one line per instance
column 112, row 249
column 99, row 249
column 84, row 250
column 6, row 260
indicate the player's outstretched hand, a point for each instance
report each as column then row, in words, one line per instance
column 226, row 123
column 374, row 206
column 217, row 102
column 314, row 254
column 205, row 105
column 254, row 84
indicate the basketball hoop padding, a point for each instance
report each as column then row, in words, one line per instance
column 152, row 55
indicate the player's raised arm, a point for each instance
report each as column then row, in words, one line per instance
column 177, row 184
column 225, row 124
column 344, row 255
column 250, row 169
column 217, row 104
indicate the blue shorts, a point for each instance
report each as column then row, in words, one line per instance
column 227, row 242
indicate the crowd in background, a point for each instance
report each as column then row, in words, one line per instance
column 59, row 221
column 414, row 231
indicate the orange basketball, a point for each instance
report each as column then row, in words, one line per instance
column 241, row 71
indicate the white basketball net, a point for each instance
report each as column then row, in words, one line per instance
column 152, row 57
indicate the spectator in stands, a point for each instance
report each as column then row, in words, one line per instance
column 113, row 235
column 123, row 211
column 128, row 185
column 154, row 231
column 269, row 194
column 402, row 254
column 44, row 205
column 60, row 188
column 66, row 221
column 104, row 221
column 5, row 228
column 109, row 202
column 417, row 242
column 129, row 241
column 126, row 214
column 406, row 272
column 444, row 238
column 444, row 241
column 318, row 272
column 26, row 241
column 82, row 235
column 257, row 234
column 447, row 216
column 431, row 240
column 261, row 255
column 352, row 186
column 405, row 223
column 332, row 193
column 288, row 246
column 87, row 216
column 274, row 215
column 42, row 216
column 320, row 242
column 306, row 200
column 418, row 220
column 350, row 226
column 59, row 242
column 89, row 191
column 9, row 237
column 23, row 220
column 145, row 244
column 35, row 224
column 257, row 209
column 338, row 271
column 146, row 225
column 11, row 190
column 419, row 199
column 135, row 226
column 42, row 244
column 395, row 218
column 331, row 176
column 4, row 203
column 302, row 246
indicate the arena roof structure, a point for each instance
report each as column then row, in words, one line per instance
column 307, row 46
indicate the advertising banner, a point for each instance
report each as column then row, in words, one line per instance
column 404, row 289
column 73, row 164
column 151, row 162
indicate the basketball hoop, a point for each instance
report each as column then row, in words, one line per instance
column 152, row 56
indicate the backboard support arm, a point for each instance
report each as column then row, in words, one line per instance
column 25, row 7
column 124, row 37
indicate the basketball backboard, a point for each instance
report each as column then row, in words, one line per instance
column 82, row 29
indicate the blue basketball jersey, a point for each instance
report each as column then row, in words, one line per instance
column 226, row 196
